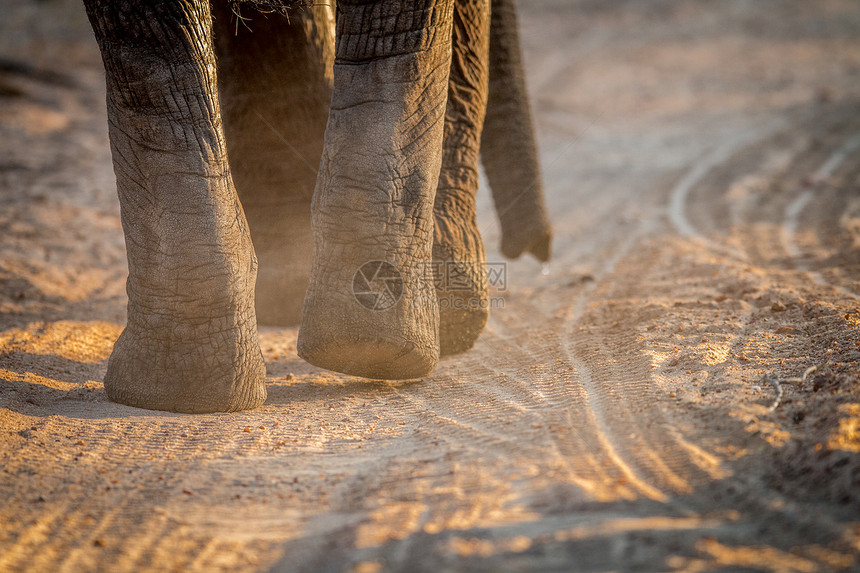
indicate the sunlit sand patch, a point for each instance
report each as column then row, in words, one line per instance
column 63, row 282
column 849, row 222
column 474, row 547
column 603, row 490
column 463, row 508
column 755, row 419
column 759, row 558
column 847, row 436
column 38, row 120
column 228, row 522
column 659, row 523
column 367, row 567
column 481, row 547
column 391, row 521
column 714, row 354
column 88, row 342
column 31, row 378
column 658, row 359
column 704, row 460
column 637, row 486
column 703, row 354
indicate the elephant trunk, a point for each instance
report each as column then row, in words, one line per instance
column 508, row 148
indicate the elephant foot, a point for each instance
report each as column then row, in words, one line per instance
column 461, row 273
column 283, row 242
column 191, row 340
column 191, row 368
column 371, row 308
column 375, row 317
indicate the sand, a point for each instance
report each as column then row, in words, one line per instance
column 679, row 392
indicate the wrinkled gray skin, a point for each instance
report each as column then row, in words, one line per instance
column 350, row 143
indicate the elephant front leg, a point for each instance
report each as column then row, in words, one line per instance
column 190, row 344
column 458, row 250
column 371, row 307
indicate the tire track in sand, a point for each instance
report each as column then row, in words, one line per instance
column 612, row 366
column 679, row 197
column 744, row 162
column 613, row 369
column 589, row 397
column 799, row 205
column 583, row 370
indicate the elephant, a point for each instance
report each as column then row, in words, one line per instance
column 314, row 164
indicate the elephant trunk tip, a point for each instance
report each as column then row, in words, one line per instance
column 542, row 248
column 538, row 244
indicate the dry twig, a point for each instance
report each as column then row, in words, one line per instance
column 774, row 381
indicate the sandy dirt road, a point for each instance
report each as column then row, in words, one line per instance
column 648, row 404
